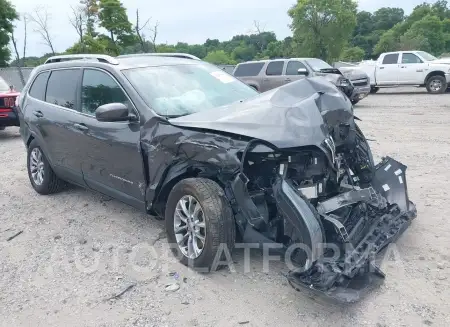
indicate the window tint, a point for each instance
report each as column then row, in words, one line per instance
column 62, row 87
column 99, row 88
column 275, row 68
column 252, row 69
column 37, row 90
column 293, row 67
column 390, row 59
column 410, row 58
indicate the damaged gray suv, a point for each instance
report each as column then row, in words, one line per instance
column 181, row 139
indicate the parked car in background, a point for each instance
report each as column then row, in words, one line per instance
column 360, row 81
column 265, row 75
column 8, row 114
column 402, row 68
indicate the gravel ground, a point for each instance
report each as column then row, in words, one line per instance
column 79, row 250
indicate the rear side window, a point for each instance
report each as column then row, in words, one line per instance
column 62, row 87
column 37, row 90
column 390, row 59
column 252, row 69
column 275, row 68
column 293, row 66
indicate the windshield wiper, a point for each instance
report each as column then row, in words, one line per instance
column 176, row 116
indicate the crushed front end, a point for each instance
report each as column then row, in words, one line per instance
column 329, row 207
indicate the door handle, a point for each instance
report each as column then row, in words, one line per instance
column 403, row 66
column 265, row 79
column 381, row 67
column 287, row 79
column 81, row 127
column 38, row 113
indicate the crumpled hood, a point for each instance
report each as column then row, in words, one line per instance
column 297, row 114
column 353, row 73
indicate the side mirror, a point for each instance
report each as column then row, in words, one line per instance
column 303, row 71
column 114, row 112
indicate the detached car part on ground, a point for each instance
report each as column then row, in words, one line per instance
column 8, row 96
column 287, row 167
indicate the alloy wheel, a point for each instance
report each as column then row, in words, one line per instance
column 37, row 166
column 189, row 227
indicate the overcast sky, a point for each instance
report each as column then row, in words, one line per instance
column 191, row 22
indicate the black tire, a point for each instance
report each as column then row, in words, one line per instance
column 2, row 128
column 218, row 217
column 50, row 183
column 434, row 79
column 355, row 101
column 374, row 89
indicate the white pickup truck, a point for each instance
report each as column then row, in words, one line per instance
column 403, row 68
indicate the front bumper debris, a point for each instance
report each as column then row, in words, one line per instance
column 356, row 271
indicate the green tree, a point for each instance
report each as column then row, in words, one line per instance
column 113, row 17
column 386, row 18
column 90, row 45
column 219, row 57
column 8, row 15
column 90, row 9
column 353, row 54
column 323, row 27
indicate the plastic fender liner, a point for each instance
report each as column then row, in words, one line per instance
column 299, row 214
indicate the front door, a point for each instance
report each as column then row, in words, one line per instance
column 273, row 76
column 292, row 71
column 112, row 161
column 412, row 69
column 388, row 71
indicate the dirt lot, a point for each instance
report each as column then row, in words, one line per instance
column 78, row 248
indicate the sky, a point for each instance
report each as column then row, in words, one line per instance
column 191, row 22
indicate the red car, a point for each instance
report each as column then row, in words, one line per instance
column 8, row 114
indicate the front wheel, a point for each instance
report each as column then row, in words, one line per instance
column 436, row 84
column 199, row 223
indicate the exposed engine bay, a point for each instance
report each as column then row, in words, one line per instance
column 344, row 199
column 303, row 177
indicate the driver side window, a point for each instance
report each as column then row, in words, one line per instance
column 99, row 88
column 410, row 58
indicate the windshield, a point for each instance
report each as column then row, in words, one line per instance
column 426, row 56
column 176, row 90
column 317, row 64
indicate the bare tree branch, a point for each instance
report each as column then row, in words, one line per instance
column 25, row 33
column 78, row 20
column 154, row 31
column 258, row 28
column 139, row 33
column 18, row 61
column 41, row 19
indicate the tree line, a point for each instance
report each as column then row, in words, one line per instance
column 327, row 29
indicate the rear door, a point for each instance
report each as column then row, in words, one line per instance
column 250, row 73
column 388, row 71
column 273, row 75
column 112, row 161
column 51, row 112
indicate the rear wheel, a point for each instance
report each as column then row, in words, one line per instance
column 199, row 223
column 42, row 177
column 436, row 84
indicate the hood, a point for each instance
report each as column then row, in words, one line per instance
column 300, row 113
column 440, row 61
column 352, row 73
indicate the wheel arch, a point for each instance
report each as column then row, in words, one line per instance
column 177, row 173
column 434, row 73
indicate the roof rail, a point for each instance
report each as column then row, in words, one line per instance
column 160, row 54
column 99, row 57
